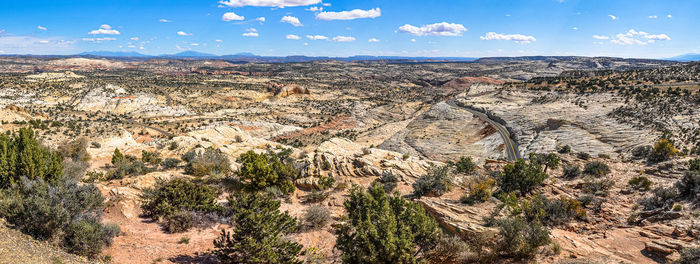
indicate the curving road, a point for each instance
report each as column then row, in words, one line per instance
column 511, row 147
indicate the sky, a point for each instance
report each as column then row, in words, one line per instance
column 454, row 28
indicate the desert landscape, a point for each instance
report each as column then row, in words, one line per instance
column 531, row 159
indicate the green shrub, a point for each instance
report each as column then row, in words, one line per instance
column 571, row 172
column 259, row 171
column 583, row 155
column 689, row 255
column 662, row 150
column 316, row 217
column 87, row 237
column 178, row 222
column 170, row 197
column 565, row 149
column 21, row 155
column 641, row 152
column 388, row 181
column 258, row 230
column 75, row 150
column 151, row 157
column 316, row 196
column 184, row 240
column 128, row 167
column 436, row 182
column 596, row 168
column 597, row 186
column 661, row 197
column 465, row 165
column 550, row 160
column 209, row 162
column 450, row 250
column 117, row 157
column 326, row 182
column 641, row 183
column 384, row 229
column 689, row 186
column 170, row 163
column 552, row 212
column 521, row 176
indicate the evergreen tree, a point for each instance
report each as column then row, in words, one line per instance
column 384, row 229
column 258, row 232
column 22, row 155
column 117, row 157
column 521, row 176
column 261, row 170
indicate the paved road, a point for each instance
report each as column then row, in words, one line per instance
column 511, row 147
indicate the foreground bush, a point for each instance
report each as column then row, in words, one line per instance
column 259, row 171
column 388, row 180
column 316, row 217
column 258, row 232
column 521, row 176
column 21, row 155
column 480, row 190
column 689, row 186
column 519, row 238
column 641, row 183
column 436, row 182
column 384, row 229
column 552, row 212
column 40, row 201
column 465, row 165
column 689, row 256
column 596, row 168
column 170, row 197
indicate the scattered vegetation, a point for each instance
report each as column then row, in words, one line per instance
column 596, row 168
column 316, row 217
column 465, row 165
column 436, row 182
column 388, row 181
column 521, row 176
column 662, row 150
column 175, row 202
column 259, row 171
column 210, row 162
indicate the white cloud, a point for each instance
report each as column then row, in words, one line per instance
column 653, row 17
column 251, row 30
column 316, row 37
column 669, row 16
column 13, row 44
column 43, row 41
column 613, row 17
column 104, row 29
column 165, row 20
column 343, row 39
column 218, row 40
column 291, row 20
column 633, row 37
column 251, row 34
column 134, row 38
column 326, row 4
column 98, row 40
column 269, row 3
column 314, row 9
column 292, row 36
column 437, row 29
column 41, row 28
column 413, row 40
column 600, row 37
column 261, row 19
column 349, row 15
column 194, row 44
column 517, row 38
column 230, row 16
column 183, row 33
column 373, row 40
column 574, row 28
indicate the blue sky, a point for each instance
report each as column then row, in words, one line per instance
column 644, row 29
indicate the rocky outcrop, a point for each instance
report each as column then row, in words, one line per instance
column 116, row 102
column 446, row 133
column 291, row 89
column 458, row 218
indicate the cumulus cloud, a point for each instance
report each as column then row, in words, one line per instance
column 218, row 40
column 633, row 37
column 269, row 3
column 194, row 44
column 613, row 17
column 261, row 19
column 343, row 39
column 291, row 20
column 653, row 17
column 165, row 20
column 600, row 37
column 104, row 29
column 316, row 37
column 13, row 44
column 669, row 16
column 230, row 16
column 294, row 37
column 314, row 9
column 373, row 40
column 251, row 34
column 183, row 33
column 437, row 29
column 134, row 38
column 41, row 28
column 349, row 15
column 517, row 38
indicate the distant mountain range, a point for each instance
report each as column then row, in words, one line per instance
column 250, row 57
column 686, row 57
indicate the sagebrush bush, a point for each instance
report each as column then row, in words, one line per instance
column 388, row 180
column 552, row 212
column 661, row 197
column 179, row 222
column 450, row 250
column 519, row 238
column 170, row 163
column 151, row 157
column 87, row 236
column 465, row 165
column 436, row 182
column 571, row 172
column 583, row 155
column 662, row 150
column 689, row 255
column 641, row 152
column 209, row 162
column 596, row 168
column 641, row 183
column 480, row 189
column 316, row 217
column 597, row 186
